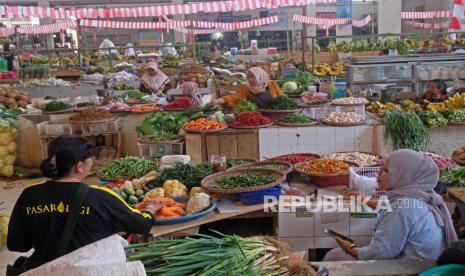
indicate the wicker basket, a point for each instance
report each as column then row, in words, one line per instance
column 342, row 125
column 297, row 124
column 209, row 182
column 277, row 115
column 310, row 156
column 252, row 127
column 258, row 165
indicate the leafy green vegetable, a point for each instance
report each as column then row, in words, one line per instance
column 303, row 80
column 162, row 136
column 185, row 173
column 296, row 118
column 57, row 106
column 432, row 119
column 236, row 162
column 245, row 106
column 132, row 94
column 406, row 130
column 282, row 103
column 454, row 115
column 455, row 177
column 162, row 121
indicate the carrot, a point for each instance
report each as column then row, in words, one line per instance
column 203, row 124
column 176, row 210
column 180, row 205
column 164, row 211
column 168, row 202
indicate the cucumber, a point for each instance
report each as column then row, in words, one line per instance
column 141, row 198
column 139, row 193
column 128, row 191
column 132, row 200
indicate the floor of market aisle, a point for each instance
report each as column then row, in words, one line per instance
column 9, row 193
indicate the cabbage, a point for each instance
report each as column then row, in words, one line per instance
column 290, row 87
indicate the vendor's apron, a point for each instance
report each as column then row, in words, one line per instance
column 261, row 100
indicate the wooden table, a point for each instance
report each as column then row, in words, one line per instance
column 387, row 267
column 245, row 211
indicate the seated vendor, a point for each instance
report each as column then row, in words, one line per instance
column 419, row 226
column 191, row 90
column 153, row 81
column 260, row 90
column 436, row 91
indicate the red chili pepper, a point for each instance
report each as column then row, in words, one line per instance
column 292, row 158
column 110, row 186
column 250, row 119
column 181, row 102
column 120, row 180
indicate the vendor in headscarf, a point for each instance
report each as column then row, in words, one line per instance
column 260, row 90
column 419, row 226
column 191, row 90
column 153, row 80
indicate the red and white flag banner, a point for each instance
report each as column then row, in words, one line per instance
column 151, row 11
column 133, row 25
column 49, row 28
column 6, row 32
column 238, row 24
column 426, row 14
column 331, row 21
column 361, row 23
column 430, row 26
column 175, row 24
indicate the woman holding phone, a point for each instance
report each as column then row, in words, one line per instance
column 419, row 226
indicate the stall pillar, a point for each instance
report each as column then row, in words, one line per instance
column 49, row 44
column 309, row 30
column 388, row 24
column 178, row 36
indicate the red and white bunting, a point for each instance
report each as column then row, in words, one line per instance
column 5, row 32
column 49, row 28
column 426, row 14
column 196, row 31
column 321, row 21
column 133, row 25
column 430, row 26
column 237, row 25
column 152, row 11
column 361, row 23
column 175, row 24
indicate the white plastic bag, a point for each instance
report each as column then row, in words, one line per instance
column 88, row 260
column 198, row 202
column 169, row 161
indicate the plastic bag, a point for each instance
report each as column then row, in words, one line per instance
column 197, row 203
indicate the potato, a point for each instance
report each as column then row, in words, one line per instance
column 11, row 94
column 22, row 104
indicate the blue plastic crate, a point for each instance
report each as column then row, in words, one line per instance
column 252, row 198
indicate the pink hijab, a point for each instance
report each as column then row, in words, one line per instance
column 412, row 174
column 156, row 82
column 262, row 80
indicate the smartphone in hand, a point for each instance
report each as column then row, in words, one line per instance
column 334, row 234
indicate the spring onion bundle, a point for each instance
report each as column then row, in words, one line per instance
column 406, row 130
column 208, row 255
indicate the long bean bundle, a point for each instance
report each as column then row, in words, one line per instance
column 406, row 130
column 129, row 167
column 224, row 255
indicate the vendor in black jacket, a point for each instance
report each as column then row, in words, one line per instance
column 40, row 214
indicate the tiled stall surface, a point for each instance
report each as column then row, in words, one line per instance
column 366, row 138
column 319, row 140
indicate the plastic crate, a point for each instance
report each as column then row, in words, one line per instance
column 319, row 112
column 107, row 127
column 253, row 198
column 158, row 150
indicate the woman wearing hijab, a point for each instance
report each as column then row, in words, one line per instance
column 260, row 90
column 153, row 80
column 419, row 226
column 191, row 90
